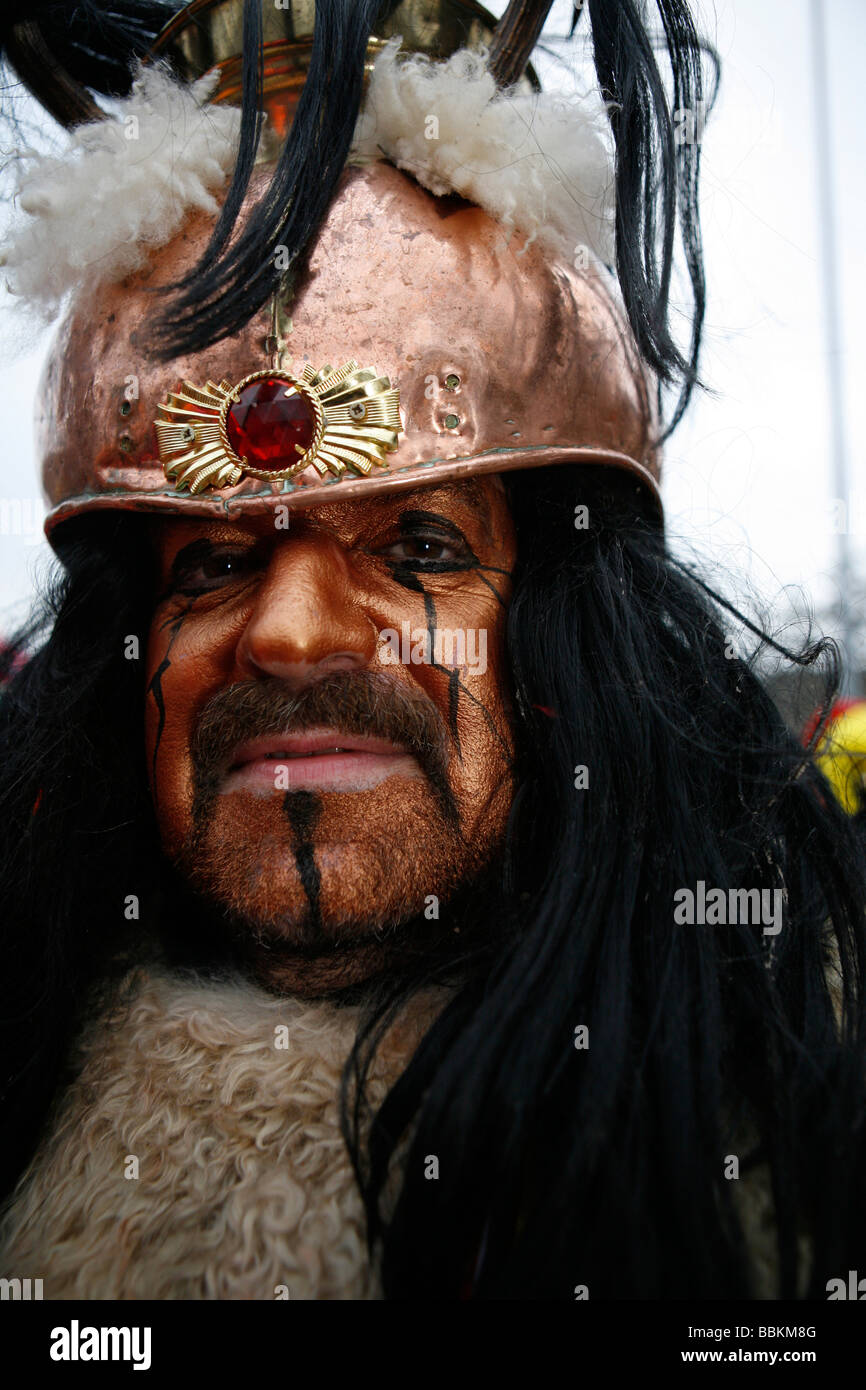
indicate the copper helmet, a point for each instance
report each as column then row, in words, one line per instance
column 420, row 340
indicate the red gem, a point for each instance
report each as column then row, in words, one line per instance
column 266, row 423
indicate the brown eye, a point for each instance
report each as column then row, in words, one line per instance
column 423, row 548
column 422, row 544
column 199, row 568
column 221, row 566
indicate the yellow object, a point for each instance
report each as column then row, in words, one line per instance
column 842, row 758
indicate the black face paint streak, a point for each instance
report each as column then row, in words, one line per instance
column 412, row 582
column 302, row 810
column 155, row 688
column 453, row 673
column 468, row 561
column 407, row 573
column 488, row 718
column 453, row 697
column 480, row 571
column 406, row 577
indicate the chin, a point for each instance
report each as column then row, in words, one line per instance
column 334, row 895
column 366, row 918
column 320, row 893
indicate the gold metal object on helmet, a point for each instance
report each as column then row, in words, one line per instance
column 351, row 418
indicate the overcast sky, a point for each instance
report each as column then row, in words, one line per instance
column 748, row 477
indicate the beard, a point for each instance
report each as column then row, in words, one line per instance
column 400, row 933
column 320, row 890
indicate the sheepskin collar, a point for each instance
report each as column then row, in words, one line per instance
column 198, row 1155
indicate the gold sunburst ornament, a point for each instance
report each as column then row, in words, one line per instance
column 273, row 425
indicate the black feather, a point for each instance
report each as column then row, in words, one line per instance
column 95, row 43
column 232, row 282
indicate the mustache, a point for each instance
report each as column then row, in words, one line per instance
column 353, row 702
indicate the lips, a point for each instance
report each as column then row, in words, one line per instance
column 317, row 760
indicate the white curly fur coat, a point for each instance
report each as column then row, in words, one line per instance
column 244, row 1183
column 244, row 1186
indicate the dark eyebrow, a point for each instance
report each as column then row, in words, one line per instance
column 470, row 491
column 419, row 518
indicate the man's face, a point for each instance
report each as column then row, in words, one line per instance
column 327, row 719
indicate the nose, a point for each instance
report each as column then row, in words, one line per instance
column 308, row 620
